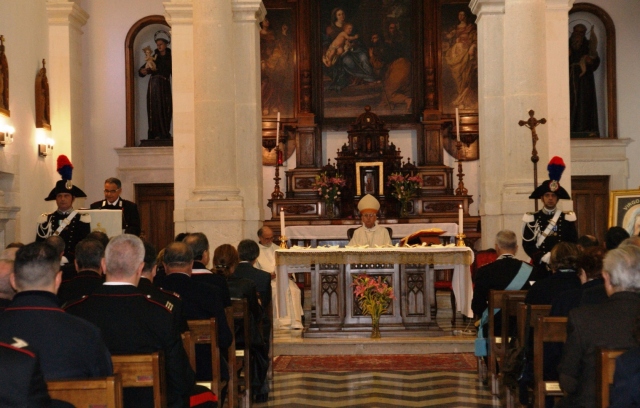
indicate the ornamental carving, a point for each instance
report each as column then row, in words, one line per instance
column 297, row 209
column 441, row 207
column 304, row 183
column 433, row 181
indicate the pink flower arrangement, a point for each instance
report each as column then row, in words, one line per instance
column 373, row 295
column 404, row 187
column 329, row 187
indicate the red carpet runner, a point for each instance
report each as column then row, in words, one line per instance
column 389, row 362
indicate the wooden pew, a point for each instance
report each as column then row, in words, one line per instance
column 510, row 303
column 546, row 329
column 243, row 356
column 205, row 331
column 231, row 359
column 90, row 392
column 605, row 367
column 536, row 310
column 143, row 370
column 497, row 344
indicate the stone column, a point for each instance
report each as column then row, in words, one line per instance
column 64, row 72
column 522, row 65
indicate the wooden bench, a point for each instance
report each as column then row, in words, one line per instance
column 205, row 331
column 231, row 360
column 546, row 329
column 243, row 356
column 536, row 310
column 143, row 370
column 91, row 392
column 510, row 303
column 605, row 368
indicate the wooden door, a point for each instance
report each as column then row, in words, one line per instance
column 155, row 203
column 591, row 203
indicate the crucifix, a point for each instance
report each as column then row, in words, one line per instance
column 532, row 123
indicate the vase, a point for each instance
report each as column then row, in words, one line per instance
column 375, row 327
column 330, row 210
column 404, row 209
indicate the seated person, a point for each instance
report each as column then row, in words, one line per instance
column 626, row 378
column 564, row 275
column 370, row 233
column 88, row 262
column 609, row 325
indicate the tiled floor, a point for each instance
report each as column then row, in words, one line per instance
column 383, row 389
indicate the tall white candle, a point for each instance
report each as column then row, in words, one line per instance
column 460, row 221
column 282, row 222
column 458, row 124
column 278, row 130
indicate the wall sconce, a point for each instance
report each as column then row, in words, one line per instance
column 45, row 148
column 6, row 134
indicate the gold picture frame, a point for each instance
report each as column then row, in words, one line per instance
column 624, row 210
column 373, row 170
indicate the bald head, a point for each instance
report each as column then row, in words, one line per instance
column 265, row 236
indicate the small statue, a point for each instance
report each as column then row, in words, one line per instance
column 150, row 59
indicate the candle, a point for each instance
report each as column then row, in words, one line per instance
column 460, row 223
column 282, row 222
column 278, row 130
column 458, row 124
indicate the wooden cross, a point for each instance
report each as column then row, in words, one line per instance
column 532, row 123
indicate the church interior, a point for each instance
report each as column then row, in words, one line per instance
column 267, row 97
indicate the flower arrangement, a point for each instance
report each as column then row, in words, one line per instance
column 374, row 297
column 329, row 189
column 404, row 187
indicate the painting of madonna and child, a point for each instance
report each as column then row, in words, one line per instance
column 367, row 57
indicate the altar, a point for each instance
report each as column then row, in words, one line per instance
column 410, row 271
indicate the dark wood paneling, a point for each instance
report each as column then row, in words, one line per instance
column 155, row 203
column 591, row 202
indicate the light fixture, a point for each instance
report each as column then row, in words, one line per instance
column 45, row 148
column 6, row 134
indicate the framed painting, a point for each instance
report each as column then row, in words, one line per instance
column 278, row 59
column 367, row 56
column 370, row 178
column 4, row 81
column 624, row 210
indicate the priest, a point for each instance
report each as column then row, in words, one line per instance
column 370, row 233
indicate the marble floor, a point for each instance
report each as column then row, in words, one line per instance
column 380, row 389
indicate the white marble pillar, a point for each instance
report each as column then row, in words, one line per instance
column 64, row 72
column 522, row 65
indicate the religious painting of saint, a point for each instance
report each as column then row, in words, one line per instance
column 278, row 63
column 624, row 210
column 459, row 38
column 4, row 80
column 367, row 57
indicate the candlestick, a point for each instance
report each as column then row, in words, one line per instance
column 278, row 130
column 458, row 124
column 460, row 220
column 281, row 222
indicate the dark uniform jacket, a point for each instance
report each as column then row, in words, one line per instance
column 76, row 231
column 564, row 231
column 545, row 291
column 589, row 293
column 132, row 323
column 4, row 303
column 609, row 325
column 626, row 380
column 170, row 300
column 200, row 273
column 69, row 347
column 130, row 215
column 84, row 283
column 260, row 277
column 23, row 384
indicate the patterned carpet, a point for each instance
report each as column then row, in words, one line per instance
column 425, row 363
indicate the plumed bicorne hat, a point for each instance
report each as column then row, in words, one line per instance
column 556, row 168
column 65, row 169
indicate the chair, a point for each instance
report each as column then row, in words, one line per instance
column 143, row 370
column 350, row 232
column 89, row 392
column 190, row 348
column 510, row 303
column 242, row 316
column 536, row 311
column 205, row 331
column 231, row 358
column 546, row 329
column 605, row 367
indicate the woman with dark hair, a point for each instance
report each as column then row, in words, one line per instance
column 159, row 97
column 225, row 261
column 564, row 275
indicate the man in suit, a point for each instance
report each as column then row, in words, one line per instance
column 199, row 245
column 113, row 201
column 34, row 316
column 266, row 261
column 88, row 262
column 66, row 222
column 132, row 322
column 542, row 230
column 609, row 325
column 248, row 252
column 498, row 275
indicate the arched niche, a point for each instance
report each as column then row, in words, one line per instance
column 137, row 37
column 607, row 100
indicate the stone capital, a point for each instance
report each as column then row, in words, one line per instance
column 560, row 5
column 63, row 12
column 178, row 12
column 480, row 7
column 248, row 10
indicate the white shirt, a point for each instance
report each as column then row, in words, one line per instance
column 267, row 258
